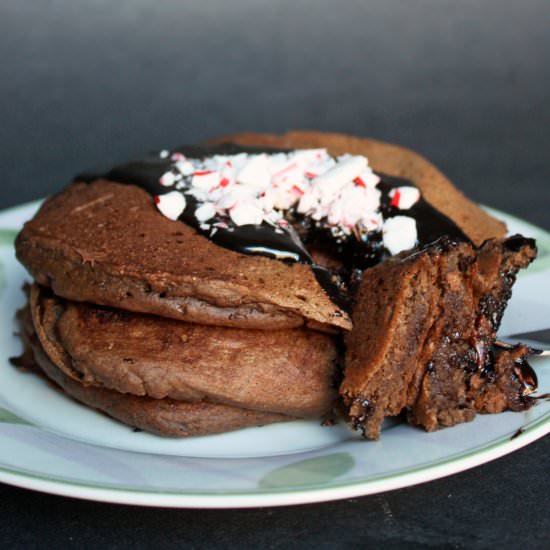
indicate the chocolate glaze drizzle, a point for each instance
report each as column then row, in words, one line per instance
column 525, row 373
column 349, row 255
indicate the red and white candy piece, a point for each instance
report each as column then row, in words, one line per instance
column 359, row 205
column 168, row 179
column 399, row 233
column 334, row 179
column 205, row 212
column 308, row 157
column 233, row 196
column 227, row 174
column 367, row 179
column 255, row 173
column 246, row 213
column 205, row 179
column 310, row 202
column 371, row 221
column 171, row 204
column 404, row 197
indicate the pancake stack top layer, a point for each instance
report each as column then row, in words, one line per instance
column 108, row 244
column 237, row 263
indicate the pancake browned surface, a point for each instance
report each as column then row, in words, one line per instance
column 165, row 417
column 285, row 371
column 424, row 328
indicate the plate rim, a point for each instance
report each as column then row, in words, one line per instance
column 282, row 497
column 278, row 496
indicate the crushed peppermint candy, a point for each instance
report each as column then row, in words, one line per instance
column 171, row 204
column 404, row 197
column 260, row 188
column 399, row 233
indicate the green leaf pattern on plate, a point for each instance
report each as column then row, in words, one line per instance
column 7, row 417
column 7, row 236
column 2, row 277
column 543, row 256
column 311, row 471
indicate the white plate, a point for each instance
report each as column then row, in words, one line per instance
column 50, row 443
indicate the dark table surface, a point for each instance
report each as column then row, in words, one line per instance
column 465, row 83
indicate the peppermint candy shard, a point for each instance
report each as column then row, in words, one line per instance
column 168, row 179
column 171, row 204
column 399, row 233
column 205, row 212
column 404, row 197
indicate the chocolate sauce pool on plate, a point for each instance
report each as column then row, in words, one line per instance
column 350, row 254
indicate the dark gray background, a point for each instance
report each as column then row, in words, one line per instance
column 465, row 83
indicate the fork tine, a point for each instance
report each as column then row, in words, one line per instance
column 536, row 351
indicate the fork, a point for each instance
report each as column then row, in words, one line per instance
column 540, row 336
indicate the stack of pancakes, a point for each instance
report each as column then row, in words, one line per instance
column 147, row 320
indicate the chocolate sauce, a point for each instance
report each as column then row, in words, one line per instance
column 261, row 239
column 431, row 224
column 524, row 371
column 352, row 253
column 527, row 377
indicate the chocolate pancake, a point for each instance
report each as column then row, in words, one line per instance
column 289, row 371
column 424, row 331
column 106, row 243
column 164, row 417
